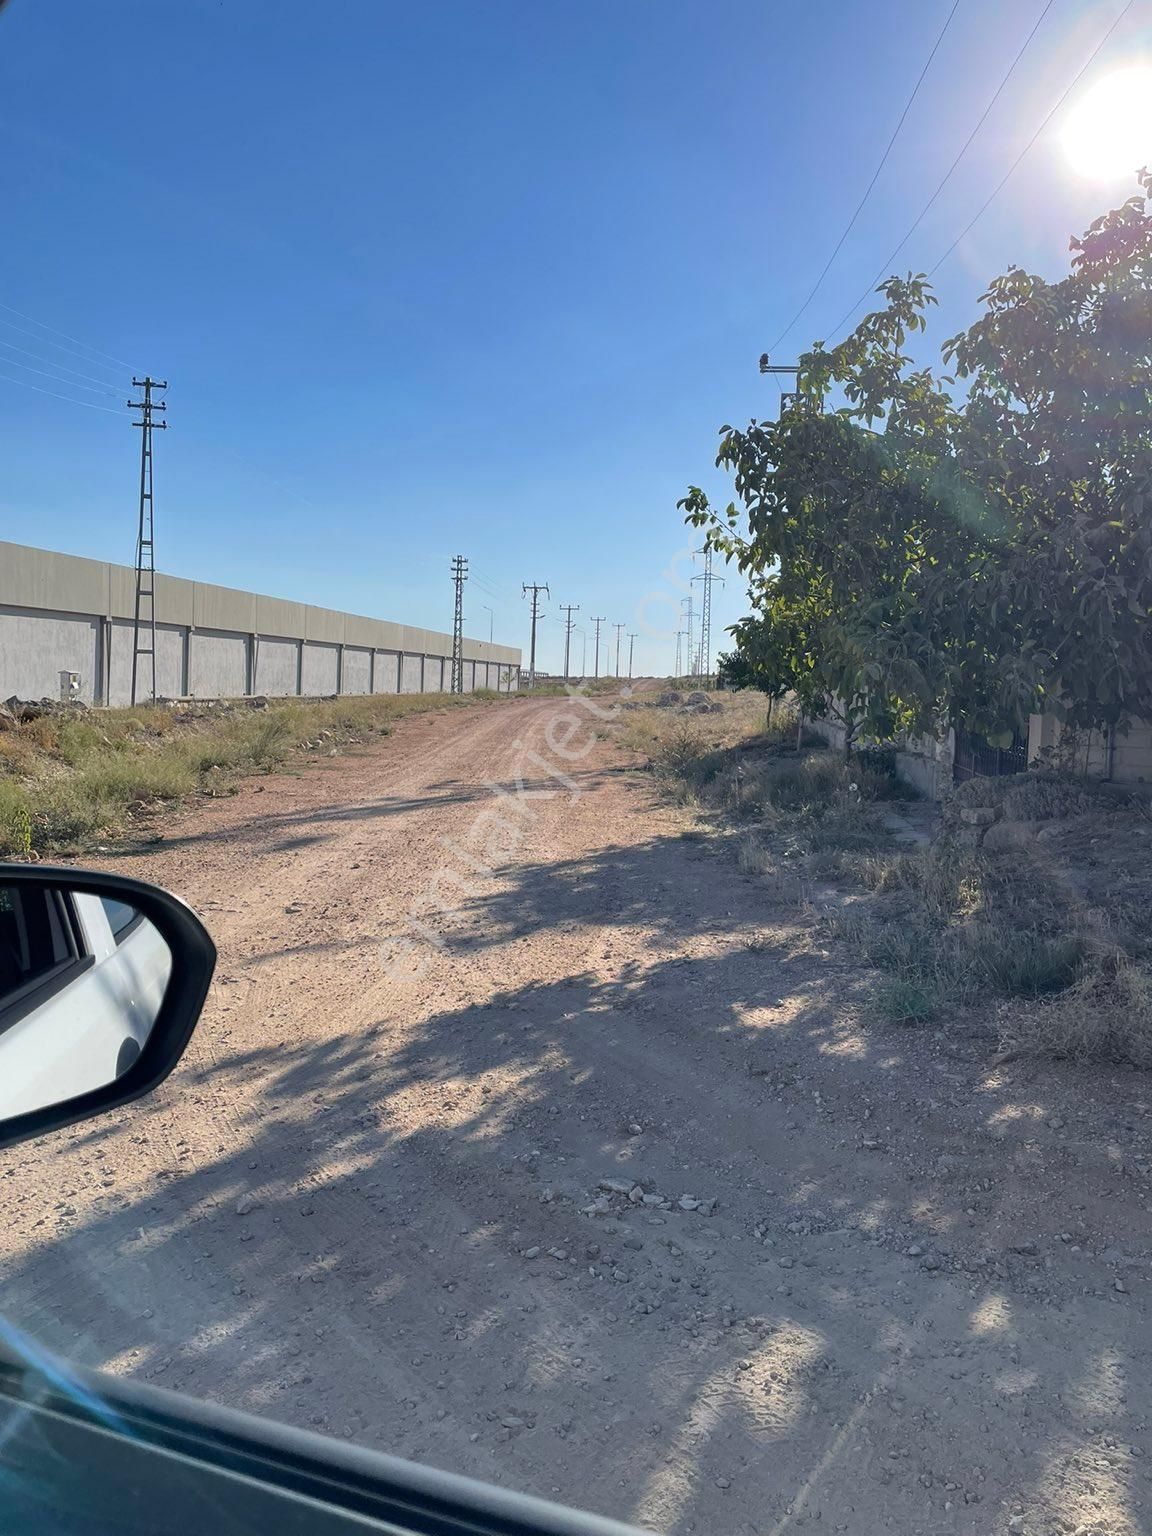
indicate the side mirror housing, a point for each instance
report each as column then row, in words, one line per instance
column 102, row 980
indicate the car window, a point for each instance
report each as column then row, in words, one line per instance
column 34, row 937
column 120, row 914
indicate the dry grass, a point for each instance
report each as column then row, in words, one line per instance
column 1106, row 1012
column 1002, row 936
column 65, row 781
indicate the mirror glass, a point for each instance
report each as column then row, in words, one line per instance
column 82, row 978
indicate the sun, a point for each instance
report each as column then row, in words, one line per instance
column 1108, row 132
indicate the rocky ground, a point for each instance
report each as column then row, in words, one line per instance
column 525, row 1136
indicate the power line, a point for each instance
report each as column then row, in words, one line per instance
column 31, row 319
column 886, row 265
column 14, row 362
column 1003, row 182
column 44, row 342
column 851, row 224
column 59, row 367
column 91, row 404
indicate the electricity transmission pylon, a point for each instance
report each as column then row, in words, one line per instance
column 706, row 578
column 144, row 622
column 459, row 576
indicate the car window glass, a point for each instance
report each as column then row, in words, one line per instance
column 120, row 914
column 33, row 937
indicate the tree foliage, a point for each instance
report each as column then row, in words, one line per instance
column 973, row 546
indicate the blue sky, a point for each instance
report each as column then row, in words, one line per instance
column 442, row 277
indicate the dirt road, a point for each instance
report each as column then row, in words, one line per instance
column 457, row 1201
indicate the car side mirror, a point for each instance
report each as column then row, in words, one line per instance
column 102, row 980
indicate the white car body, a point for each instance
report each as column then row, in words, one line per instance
column 95, row 1015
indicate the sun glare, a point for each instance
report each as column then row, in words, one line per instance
column 1108, row 132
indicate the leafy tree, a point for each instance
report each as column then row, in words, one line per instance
column 915, row 559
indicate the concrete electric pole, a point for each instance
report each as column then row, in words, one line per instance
column 631, row 644
column 568, row 609
column 459, row 576
column 145, row 622
column 535, row 588
column 596, row 653
column 619, row 628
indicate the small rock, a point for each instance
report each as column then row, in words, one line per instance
column 1118, row 1285
column 915, row 1251
column 530, row 1253
column 615, row 1186
column 246, row 1204
column 723, row 1482
column 687, row 1203
column 636, row 1194
column 635, row 1130
column 785, row 1262
column 978, row 815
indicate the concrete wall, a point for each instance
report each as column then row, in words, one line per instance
column 387, row 672
column 170, row 642
column 1124, row 757
column 320, row 669
column 63, row 613
column 410, row 674
column 217, row 664
column 35, row 646
column 356, row 676
column 277, row 666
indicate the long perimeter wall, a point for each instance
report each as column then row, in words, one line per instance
column 62, row 613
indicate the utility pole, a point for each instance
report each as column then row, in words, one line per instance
column 679, row 660
column 145, row 554
column 535, row 588
column 459, row 576
column 631, row 644
column 596, row 653
column 792, row 397
column 618, row 628
column 583, row 633
column 491, row 620
column 568, row 609
column 706, row 577
column 686, row 603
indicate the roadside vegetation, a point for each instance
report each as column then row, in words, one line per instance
column 68, row 779
column 1041, row 941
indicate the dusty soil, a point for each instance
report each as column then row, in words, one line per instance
column 372, row 1200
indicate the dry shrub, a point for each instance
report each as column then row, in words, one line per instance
column 1105, row 1014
